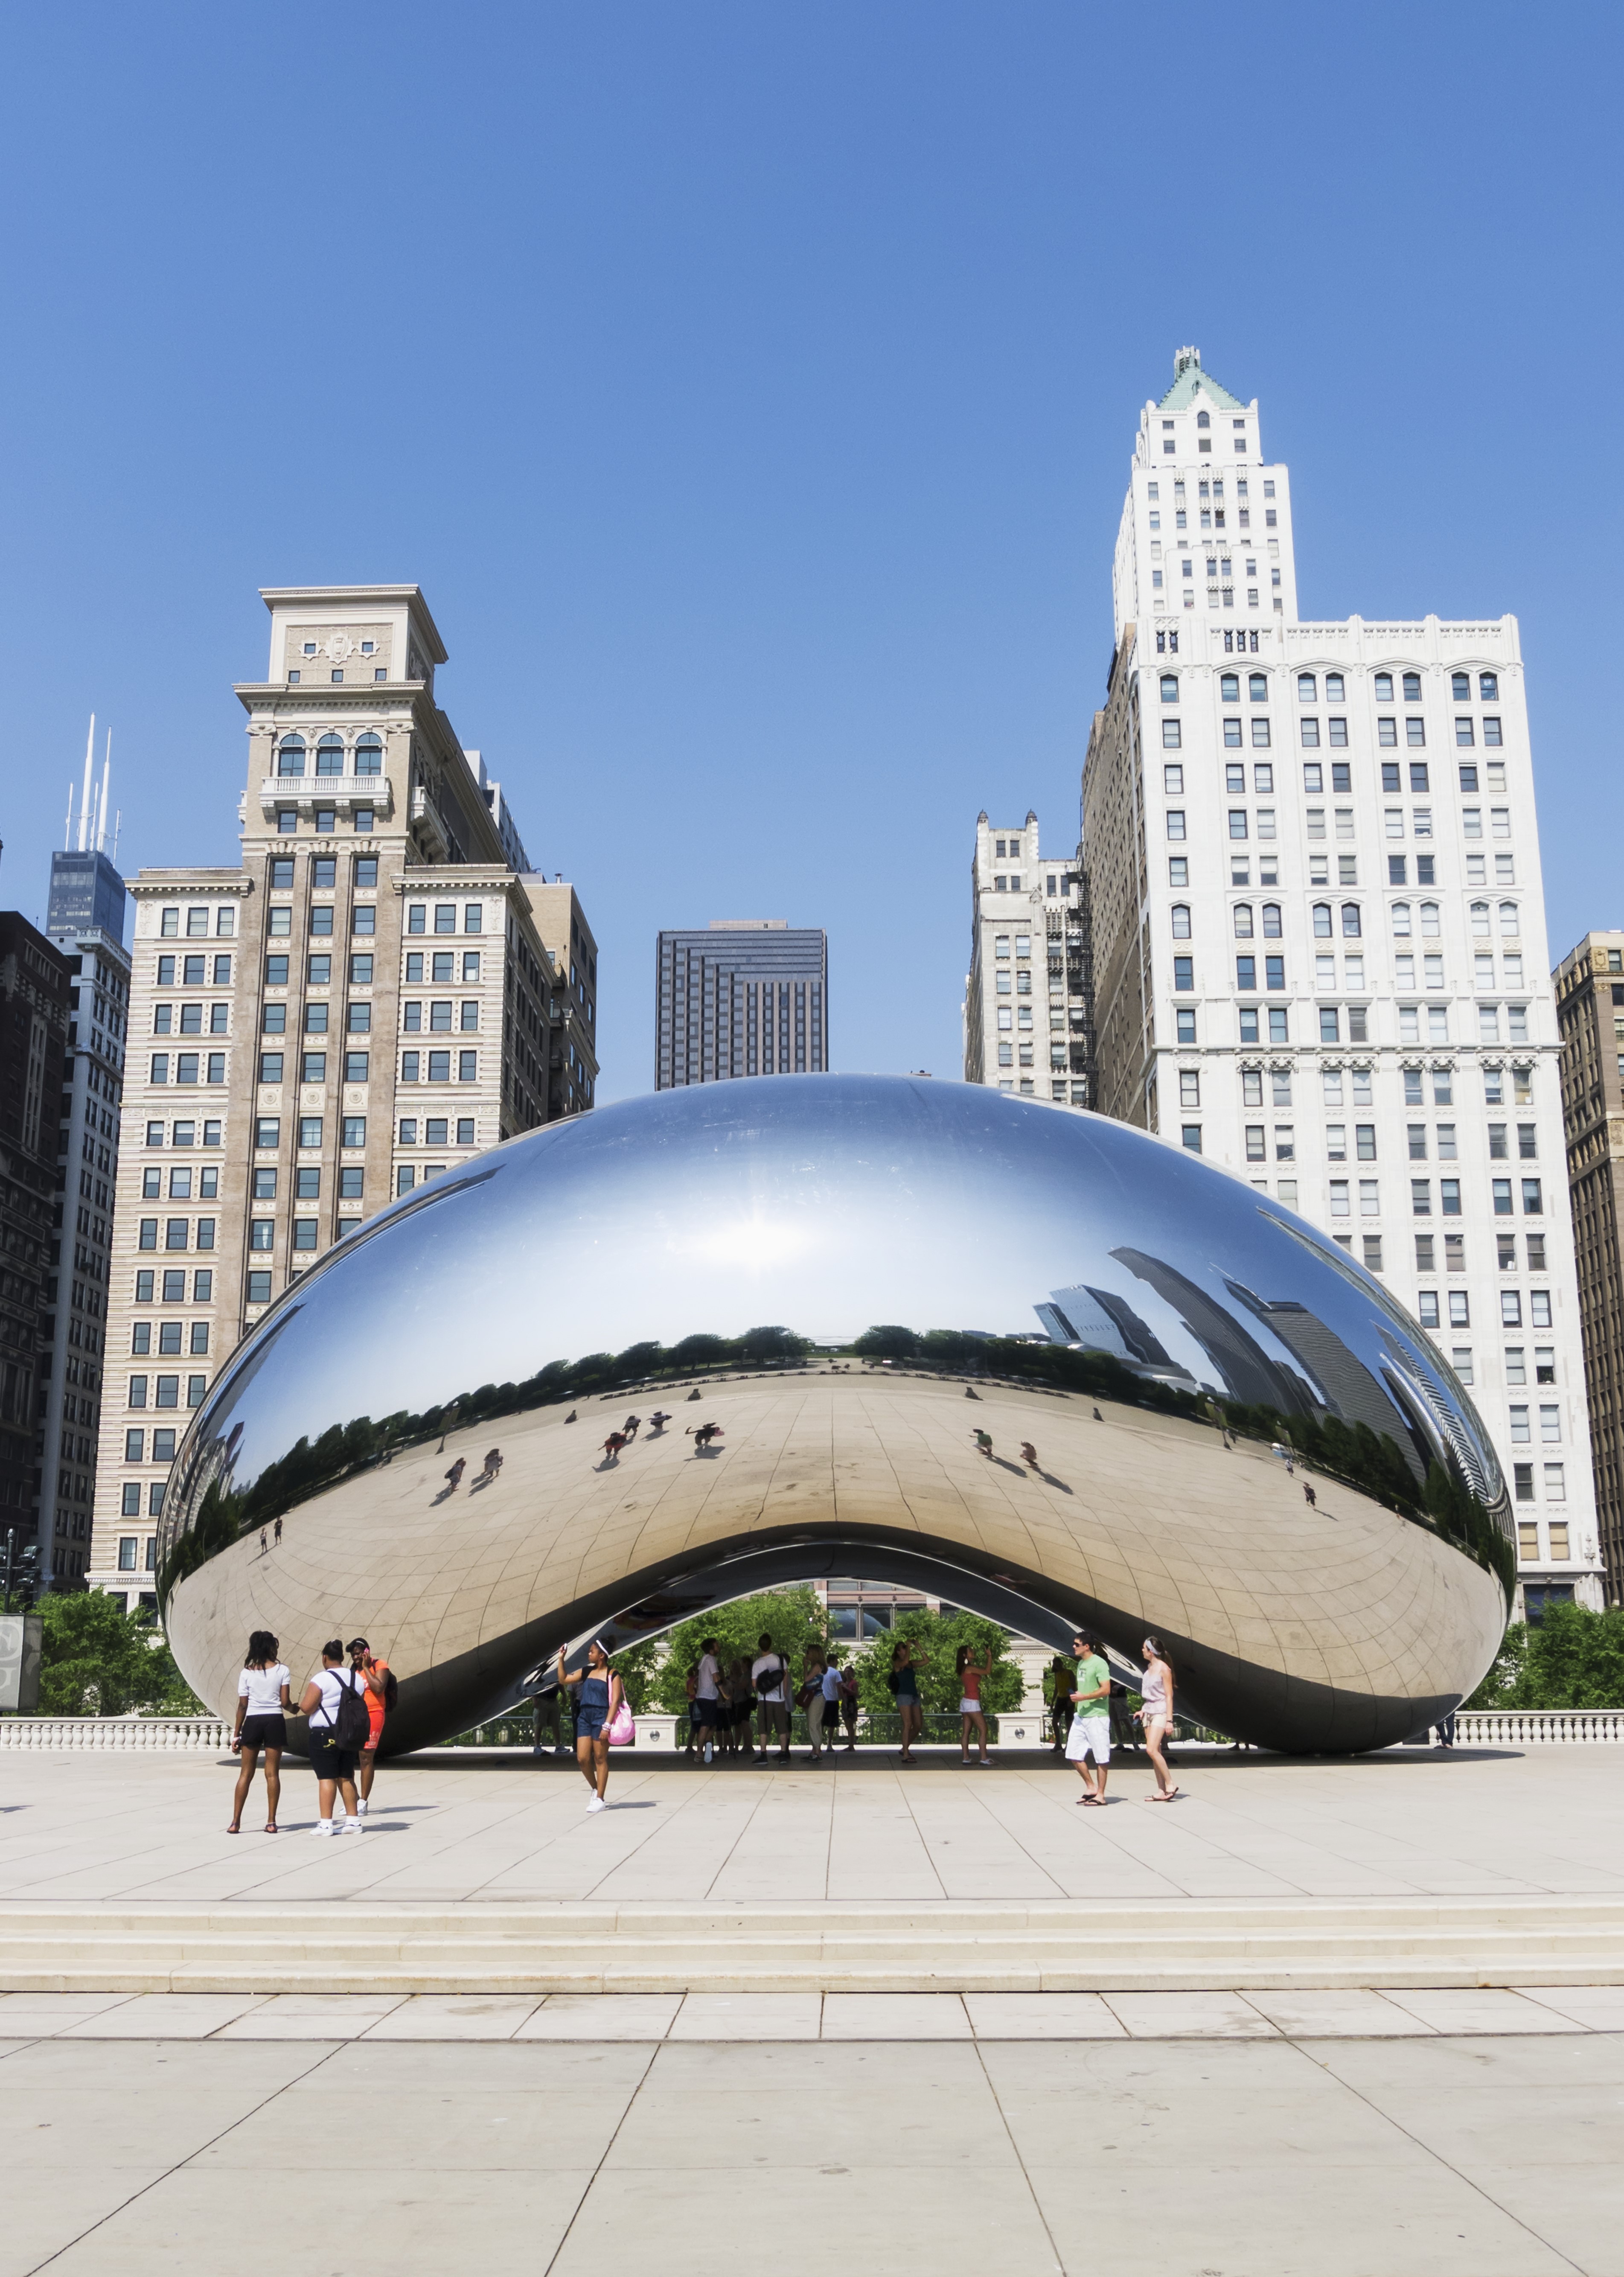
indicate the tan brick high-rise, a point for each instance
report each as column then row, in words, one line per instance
column 381, row 988
column 1589, row 1009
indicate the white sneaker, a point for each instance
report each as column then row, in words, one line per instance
column 350, row 1827
column 707, row 1751
column 361, row 1807
column 322, row 1826
column 597, row 1803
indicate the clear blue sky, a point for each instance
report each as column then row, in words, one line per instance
column 751, row 388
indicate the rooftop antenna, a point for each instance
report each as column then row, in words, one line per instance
column 118, row 825
column 68, row 841
column 84, row 804
column 101, row 810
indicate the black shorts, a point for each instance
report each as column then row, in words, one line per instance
column 330, row 1761
column 263, row 1732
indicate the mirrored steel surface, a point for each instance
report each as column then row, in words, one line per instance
column 1109, row 1299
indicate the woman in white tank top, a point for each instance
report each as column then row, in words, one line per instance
column 1156, row 1715
column 262, row 1705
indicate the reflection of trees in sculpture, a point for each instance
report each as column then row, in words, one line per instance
column 208, row 1518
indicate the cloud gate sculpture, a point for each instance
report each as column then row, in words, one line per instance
column 1163, row 1336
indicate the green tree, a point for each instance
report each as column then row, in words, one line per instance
column 938, row 1636
column 1571, row 1658
column 794, row 1619
column 96, row 1659
column 639, row 1668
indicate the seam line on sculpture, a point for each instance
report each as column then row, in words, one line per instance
column 240, row 2120
column 1449, row 2165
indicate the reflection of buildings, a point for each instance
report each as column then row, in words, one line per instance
column 1243, row 1369
column 1027, row 1008
column 1104, row 1322
column 1407, row 1097
column 1404, row 1372
column 1346, row 1385
column 34, row 1031
column 377, row 990
column 85, row 920
column 746, row 996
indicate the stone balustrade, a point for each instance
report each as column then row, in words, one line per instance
column 1524, row 1727
column 189, row 1734
column 1500, row 1727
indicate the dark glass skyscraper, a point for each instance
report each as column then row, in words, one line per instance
column 746, row 996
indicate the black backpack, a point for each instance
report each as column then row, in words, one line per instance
column 770, row 1678
column 352, row 1726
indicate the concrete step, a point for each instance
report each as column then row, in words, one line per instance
column 1173, row 1944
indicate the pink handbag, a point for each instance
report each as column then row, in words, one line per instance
column 622, row 1731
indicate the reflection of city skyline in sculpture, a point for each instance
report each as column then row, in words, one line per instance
column 469, row 1314
column 1345, row 1386
column 1245, row 1371
column 1101, row 1321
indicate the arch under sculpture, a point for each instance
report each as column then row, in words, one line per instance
column 1163, row 1336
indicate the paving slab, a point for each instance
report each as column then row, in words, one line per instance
column 893, row 2016
column 453, row 2017
column 164, row 2016
column 1042, row 2016
column 1189, row 2015
column 312, row 2016
column 1331, row 2015
column 1455, row 2009
column 772, row 2016
column 602, row 2017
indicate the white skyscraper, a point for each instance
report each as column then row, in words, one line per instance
column 1319, row 937
column 1026, row 1007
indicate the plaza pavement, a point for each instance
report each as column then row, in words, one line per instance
column 100, row 1829
column 1375, row 2130
column 927, row 2140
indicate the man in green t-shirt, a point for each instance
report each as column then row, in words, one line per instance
column 1088, row 1743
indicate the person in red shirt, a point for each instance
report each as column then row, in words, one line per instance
column 376, row 1672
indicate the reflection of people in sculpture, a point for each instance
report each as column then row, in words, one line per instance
column 1061, row 1682
column 1156, row 1715
column 598, row 1704
column 983, row 1441
column 631, row 1426
column 705, row 1436
column 1029, row 1455
column 658, row 1421
column 453, row 1476
column 612, row 1447
column 548, row 1705
column 493, row 1464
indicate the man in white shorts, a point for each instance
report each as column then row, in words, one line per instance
column 1090, row 1736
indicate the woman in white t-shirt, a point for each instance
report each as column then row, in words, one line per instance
column 261, row 1703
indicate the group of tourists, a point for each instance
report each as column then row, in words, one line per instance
column 343, row 1709
column 1087, row 1708
column 725, row 1701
